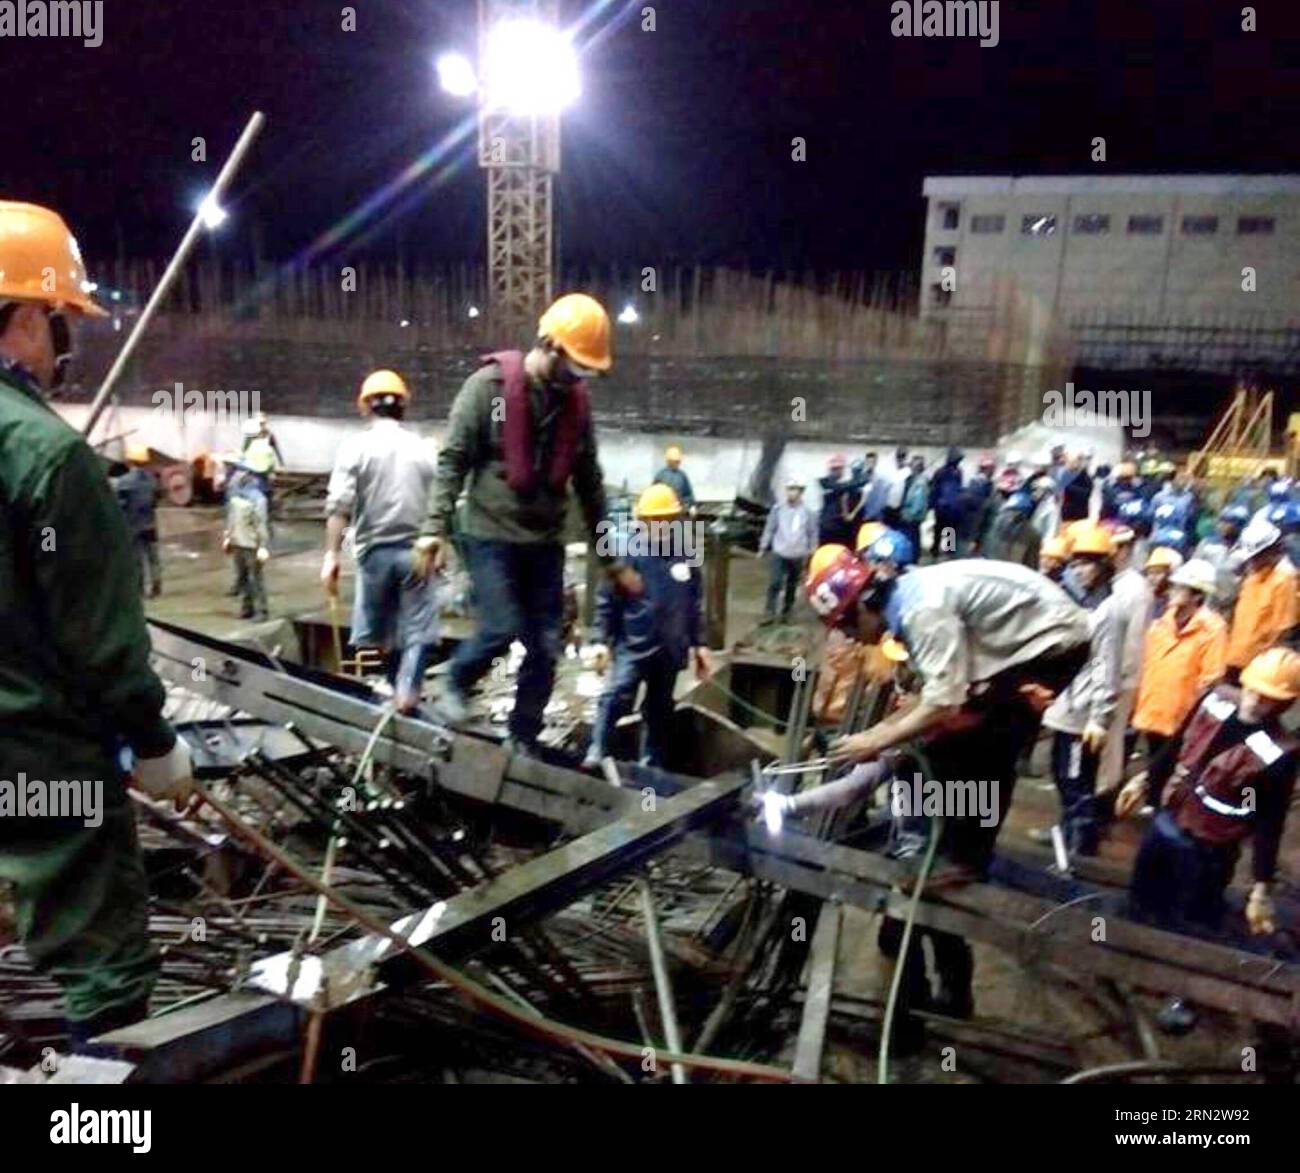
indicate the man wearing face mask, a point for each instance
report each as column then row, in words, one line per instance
column 76, row 688
column 519, row 434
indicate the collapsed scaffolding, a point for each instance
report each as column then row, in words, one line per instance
column 432, row 909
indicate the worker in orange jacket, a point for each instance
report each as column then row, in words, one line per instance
column 1183, row 657
column 1267, row 605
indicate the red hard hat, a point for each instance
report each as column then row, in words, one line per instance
column 836, row 580
column 837, row 461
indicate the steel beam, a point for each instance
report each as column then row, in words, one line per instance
column 821, row 985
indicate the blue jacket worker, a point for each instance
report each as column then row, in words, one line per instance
column 654, row 632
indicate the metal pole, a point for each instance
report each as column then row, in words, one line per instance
column 251, row 132
column 663, row 988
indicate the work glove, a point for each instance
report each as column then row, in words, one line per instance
column 329, row 573
column 263, row 554
column 430, row 556
column 1259, row 911
column 1094, row 737
column 169, row 776
column 599, row 657
column 1131, row 796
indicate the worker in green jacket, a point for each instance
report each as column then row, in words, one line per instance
column 520, row 435
column 79, row 704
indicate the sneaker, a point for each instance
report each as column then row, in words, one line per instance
column 451, row 707
column 518, row 747
column 591, row 761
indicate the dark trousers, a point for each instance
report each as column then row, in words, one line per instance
column 518, row 594
column 146, row 552
column 659, row 674
column 249, row 583
column 1177, row 880
column 1074, row 770
column 782, row 572
column 1156, row 778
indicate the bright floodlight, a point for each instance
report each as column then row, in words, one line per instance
column 214, row 215
column 456, row 75
column 629, row 316
column 530, row 68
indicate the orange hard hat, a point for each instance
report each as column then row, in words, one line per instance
column 1274, row 673
column 1091, row 539
column 1056, row 547
column 382, row 383
column 40, row 260
column 825, row 557
column 658, row 502
column 579, row 325
column 868, row 532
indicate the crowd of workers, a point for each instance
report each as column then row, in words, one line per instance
column 1116, row 611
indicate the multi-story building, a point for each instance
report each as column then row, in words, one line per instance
column 1200, row 271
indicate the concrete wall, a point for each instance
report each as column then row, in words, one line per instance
column 1173, row 277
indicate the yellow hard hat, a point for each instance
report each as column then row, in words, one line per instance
column 579, row 325
column 1274, row 673
column 382, row 383
column 137, row 454
column 893, row 650
column 1056, row 547
column 1164, row 556
column 1091, row 539
column 825, row 556
column 657, row 502
column 673, row 454
column 868, row 532
column 40, row 260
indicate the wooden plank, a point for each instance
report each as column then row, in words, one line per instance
column 817, row 1001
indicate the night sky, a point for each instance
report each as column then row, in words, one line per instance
column 681, row 146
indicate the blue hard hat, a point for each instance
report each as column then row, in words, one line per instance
column 892, row 546
column 1280, row 489
column 1021, row 501
column 1280, row 514
column 1237, row 515
column 1169, row 536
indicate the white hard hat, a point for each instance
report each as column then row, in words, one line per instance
column 1197, row 574
column 1257, row 537
column 251, row 428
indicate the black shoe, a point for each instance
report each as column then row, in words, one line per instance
column 516, row 746
column 246, row 613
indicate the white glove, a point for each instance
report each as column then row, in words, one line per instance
column 599, row 657
column 170, row 776
column 263, row 554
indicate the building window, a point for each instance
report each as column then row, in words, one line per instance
column 988, row 223
column 1146, row 225
column 1043, row 225
column 1200, row 225
column 1092, row 225
column 947, row 255
column 950, row 215
column 1255, row 226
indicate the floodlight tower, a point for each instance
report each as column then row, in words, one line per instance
column 528, row 76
